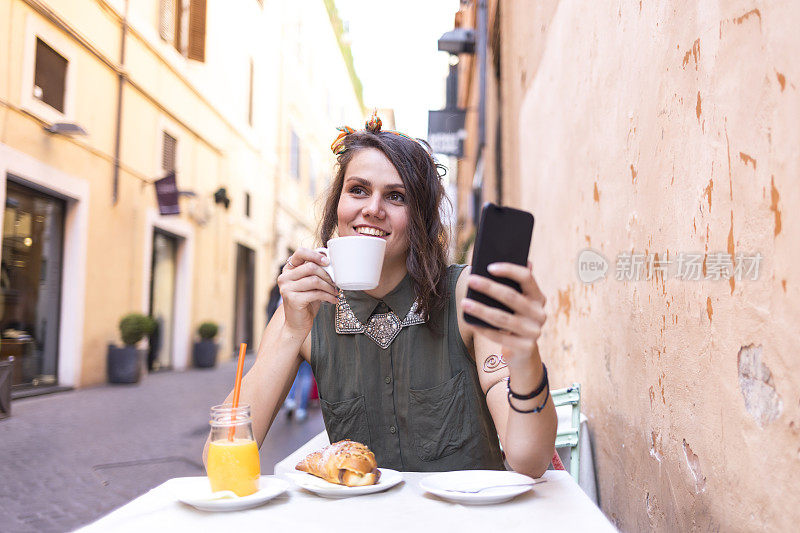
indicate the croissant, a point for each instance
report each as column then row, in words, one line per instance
column 345, row 463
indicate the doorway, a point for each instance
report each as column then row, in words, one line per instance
column 30, row 285
column 245, row 295
column 162, row 299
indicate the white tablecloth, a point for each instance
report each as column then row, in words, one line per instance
column 587, row 478
column 557, row 505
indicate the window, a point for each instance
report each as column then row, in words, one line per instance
column 50, row 76
column 182, row 23
column 250, row 95
column 312, row 177
column 247, row 204
column 169, row 149
column 294, row 154
column 328, row 105
column 298, row 42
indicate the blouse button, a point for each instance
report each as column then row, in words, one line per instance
column 392, row 429
column 387, row 380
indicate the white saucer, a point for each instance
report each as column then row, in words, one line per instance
column 196, row 491
column 389, row 478
column 475, row 479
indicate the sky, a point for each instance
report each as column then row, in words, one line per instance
column 396, row 56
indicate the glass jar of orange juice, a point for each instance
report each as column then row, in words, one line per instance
column 233, row 454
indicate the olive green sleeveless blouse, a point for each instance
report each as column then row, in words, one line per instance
column 417, row 403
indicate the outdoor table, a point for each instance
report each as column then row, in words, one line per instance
column 557, row 505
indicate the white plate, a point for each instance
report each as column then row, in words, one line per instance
column 196, row 491
column 475, row 479
column 389, row 478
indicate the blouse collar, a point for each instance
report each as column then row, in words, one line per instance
column 399, row 300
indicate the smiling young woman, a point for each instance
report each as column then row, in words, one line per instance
column 390, row 182
column 397, row 367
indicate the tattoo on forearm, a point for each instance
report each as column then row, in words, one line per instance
column 494, row 362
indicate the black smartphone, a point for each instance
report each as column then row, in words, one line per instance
column 504, row 236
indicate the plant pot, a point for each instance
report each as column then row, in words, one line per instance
column 6, row 368
column 204, row 354
column 124, row 364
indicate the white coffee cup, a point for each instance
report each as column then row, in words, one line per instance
column 355, row 261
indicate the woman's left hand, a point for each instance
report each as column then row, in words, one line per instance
column 518, row 331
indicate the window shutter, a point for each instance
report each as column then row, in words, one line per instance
column 166, row 22
column 169, row 147
column 181, row 26
column 197, row 30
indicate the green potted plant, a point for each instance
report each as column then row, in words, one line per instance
column 124, row 365
column 204, row 354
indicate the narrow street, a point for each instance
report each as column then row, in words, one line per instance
column 69, row 458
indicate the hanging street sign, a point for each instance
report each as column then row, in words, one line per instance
column 446, row 131
column 167, row 195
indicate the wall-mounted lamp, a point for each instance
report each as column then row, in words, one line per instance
column 221, row 197
column 66, row 128
column 458, row 41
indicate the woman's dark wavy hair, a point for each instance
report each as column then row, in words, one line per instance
column 427, row 237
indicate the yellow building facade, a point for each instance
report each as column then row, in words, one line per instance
column 318, row 91
column 192, row 87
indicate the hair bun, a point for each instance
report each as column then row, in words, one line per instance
column 374, row 123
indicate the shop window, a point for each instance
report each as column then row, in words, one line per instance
column 30, row 285
column 50, row 76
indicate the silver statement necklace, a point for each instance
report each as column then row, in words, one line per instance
column 381, row 328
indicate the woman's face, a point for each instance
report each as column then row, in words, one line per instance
column 373, row 202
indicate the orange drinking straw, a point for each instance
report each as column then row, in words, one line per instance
column 237, row 388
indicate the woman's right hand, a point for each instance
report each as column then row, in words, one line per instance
column 304, row 285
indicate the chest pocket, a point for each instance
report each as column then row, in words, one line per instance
column 346, row 420
column 440, row 418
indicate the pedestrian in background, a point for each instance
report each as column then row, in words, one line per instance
column 297, row 400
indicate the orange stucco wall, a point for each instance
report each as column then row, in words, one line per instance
column 668, row 128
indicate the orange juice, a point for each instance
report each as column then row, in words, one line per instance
column 234, row 465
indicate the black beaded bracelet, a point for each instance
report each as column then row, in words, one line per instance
column 544, row 385
column 535, row 393
column 535, row 409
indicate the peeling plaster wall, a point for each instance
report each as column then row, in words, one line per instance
column 668, row 127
